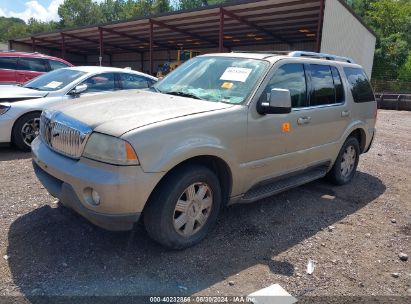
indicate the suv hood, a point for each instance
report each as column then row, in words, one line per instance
column 120, row 112
column 13, row 93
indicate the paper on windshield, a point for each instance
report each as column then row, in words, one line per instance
column 53, row 84
column 236, row 74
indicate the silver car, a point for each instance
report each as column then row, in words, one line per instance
column 220, row 129
column 20, row 106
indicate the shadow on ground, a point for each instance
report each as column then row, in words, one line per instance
column 53, row 251
column 9, row 153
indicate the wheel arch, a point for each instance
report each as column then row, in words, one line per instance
column 18, row 118
column 212, row 162
column 361, row 136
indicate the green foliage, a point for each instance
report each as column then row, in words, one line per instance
column 405, row 71
column 79, row 13
column 391, row 21
column 11, row 28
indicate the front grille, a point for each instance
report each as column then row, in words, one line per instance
column 63, row 134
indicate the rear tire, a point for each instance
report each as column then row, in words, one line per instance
column 184, row 207
column 346, row 163
column 25, row 129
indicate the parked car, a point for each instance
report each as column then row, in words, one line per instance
column 20, row 107
column 220, row 129
column 20, row 67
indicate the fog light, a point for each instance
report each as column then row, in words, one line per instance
column 96, row 197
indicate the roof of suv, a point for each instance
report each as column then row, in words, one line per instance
column 298, row 55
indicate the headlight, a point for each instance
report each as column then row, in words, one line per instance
column 110, row 149
column 3, row 109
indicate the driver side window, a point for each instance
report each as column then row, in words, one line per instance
column 100, row 83
column 290, row 76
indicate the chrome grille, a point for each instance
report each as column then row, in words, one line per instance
column 63, row 134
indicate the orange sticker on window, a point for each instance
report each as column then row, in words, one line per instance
column 227, row 85
column 286, row 127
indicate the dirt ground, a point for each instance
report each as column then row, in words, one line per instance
column 354, row 233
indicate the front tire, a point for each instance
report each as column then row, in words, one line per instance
column 346, row 163
column 184, row 207
column 25, row 130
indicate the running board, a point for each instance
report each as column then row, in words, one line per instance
column 262, row 191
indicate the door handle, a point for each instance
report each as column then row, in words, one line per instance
column 303, row 120
column 345, row 113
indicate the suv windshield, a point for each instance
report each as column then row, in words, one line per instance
column 54, row 80
column 223, row 79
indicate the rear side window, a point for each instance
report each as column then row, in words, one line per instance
column 55, row 65
column 291, row 77
column 339, row 89
column 32, row 64
column 8, row 63
column 360, row 87
column 323, row 90
column 130, row 81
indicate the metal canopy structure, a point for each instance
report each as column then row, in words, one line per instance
column 222, row 27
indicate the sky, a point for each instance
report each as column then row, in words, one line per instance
column 44, row 10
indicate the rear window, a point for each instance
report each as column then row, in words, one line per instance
column 8, row 63
column 360, row 87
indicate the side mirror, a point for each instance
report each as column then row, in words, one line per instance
column 279, row 102
column 78, row 89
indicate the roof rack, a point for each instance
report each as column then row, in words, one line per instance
column 302, row 54
column 320, row 56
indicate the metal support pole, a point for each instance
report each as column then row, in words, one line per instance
column 221, row 33
column 101, row 46
column 319, row 26
column 33, row 44
column 63, row 47
column 151, row 47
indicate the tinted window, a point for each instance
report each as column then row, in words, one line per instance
column 32, row 64
column 55, row 65
column 290, row 77
column 9, row 63
column 131, row 81
column 323, row 91
column 360, row 87
column 339, row 89
column 101, row 82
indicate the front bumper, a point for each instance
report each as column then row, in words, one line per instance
column 123, row 190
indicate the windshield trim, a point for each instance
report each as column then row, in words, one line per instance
column 248, row 97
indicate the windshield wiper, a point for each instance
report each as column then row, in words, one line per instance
column 178, row 93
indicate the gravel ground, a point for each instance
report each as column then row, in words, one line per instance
column 354, row 233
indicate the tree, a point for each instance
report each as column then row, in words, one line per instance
column 390, row 55
column 191, row 4
column 161, row 6
column 79, row 12
column 405, row 71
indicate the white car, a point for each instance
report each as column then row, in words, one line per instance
column 21, row 106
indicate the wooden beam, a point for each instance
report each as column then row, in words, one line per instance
column 135, row 38
column 97, row 42
column 181, row 31
column 257, row 27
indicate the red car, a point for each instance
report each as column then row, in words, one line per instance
column 20, row 67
